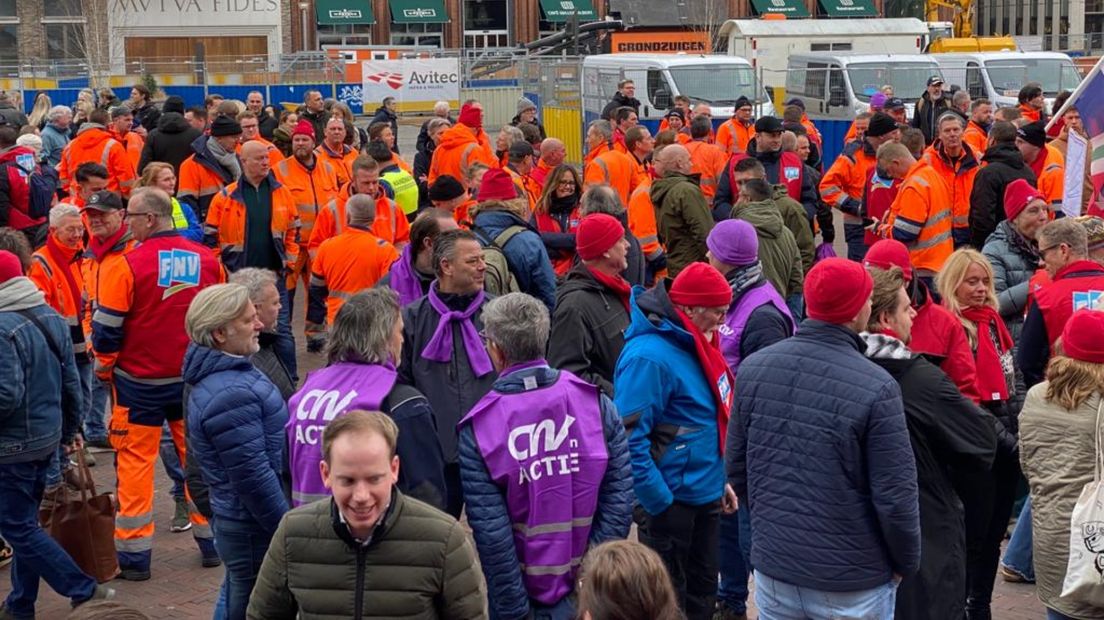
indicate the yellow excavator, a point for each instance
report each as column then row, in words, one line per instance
column 963, row 22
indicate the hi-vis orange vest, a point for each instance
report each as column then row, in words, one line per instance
column 920, row 217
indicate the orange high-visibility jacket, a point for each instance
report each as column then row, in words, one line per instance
column 342, row 161
column 976, row 137
column 201, row 178
column 274, row 154
column 525, row 186
column 710, row 161
column 1050, row 168
column 843, row 184
column 99, row 260
column 391, row 224
column 133, row 144
column 959, row 176
column 458, row 150
column 345, row 265
column 733, row 136
column 225, row 227
column 312, row 189
column 920, row 217
column 605, row 165
column 642, row 221
column 57, row 271
column 811, row 129
column 95, row 144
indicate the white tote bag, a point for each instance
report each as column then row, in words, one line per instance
column 1085, row 572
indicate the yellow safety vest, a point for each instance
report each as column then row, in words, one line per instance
column 406, row 190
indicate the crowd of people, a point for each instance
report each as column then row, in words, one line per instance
column 521, row 358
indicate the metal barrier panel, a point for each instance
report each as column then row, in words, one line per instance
column 833, row 133
column 567, row 125
column 499, row 105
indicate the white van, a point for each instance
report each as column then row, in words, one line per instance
column 840, row 86
column 999, row 76
column 769, row 44
column 717, row 80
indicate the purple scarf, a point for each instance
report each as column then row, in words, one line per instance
column 439, row 348
column 403, row 279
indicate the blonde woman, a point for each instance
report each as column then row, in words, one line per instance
column 162, row 176
column 966, row 284
column 1060, row 440
column 39, row 112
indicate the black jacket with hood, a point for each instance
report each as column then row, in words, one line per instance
column 171, row 142
column 1004, row 164
column 927, row 113
column 588, row 329
column 620, row 101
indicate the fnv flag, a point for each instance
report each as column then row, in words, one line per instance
column 1088, row 98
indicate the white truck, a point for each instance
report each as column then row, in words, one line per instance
column 769, row 43
column 717, row 80
column 999, row 76
column 839, row 86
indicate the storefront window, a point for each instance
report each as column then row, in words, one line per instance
column 62, row 8
column 423, row 35
column 65, row 41
column 345, row 34
column 9, row 44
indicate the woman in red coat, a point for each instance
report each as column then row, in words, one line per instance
column 556, row 216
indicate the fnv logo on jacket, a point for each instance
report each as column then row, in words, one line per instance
column 177, row 270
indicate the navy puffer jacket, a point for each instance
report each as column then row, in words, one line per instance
column 235, row 425
column 819, row 446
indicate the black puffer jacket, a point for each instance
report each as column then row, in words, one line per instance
column 927, row 113
column 620, row 101
column 588, row 329
column 1004, row 164
column 268, row 124
column 171, row 142
column 147, row 116
column 383, row 115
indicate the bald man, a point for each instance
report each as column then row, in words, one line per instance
column 682, row 213
column 552, row 154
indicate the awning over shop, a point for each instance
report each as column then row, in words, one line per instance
column 561, row 10
column 344, row 12
column 789, row 8
column 848, row 8
column 418, row 12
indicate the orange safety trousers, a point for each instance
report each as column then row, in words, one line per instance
column 136, row 449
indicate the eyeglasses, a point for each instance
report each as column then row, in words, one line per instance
column 1043, row 251
column 129, row 214
column 567, row 182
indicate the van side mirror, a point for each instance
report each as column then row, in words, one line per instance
column 837, row 99
column 662, row 99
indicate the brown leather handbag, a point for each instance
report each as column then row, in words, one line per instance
column 85, row 526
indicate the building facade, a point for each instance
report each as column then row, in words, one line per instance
column 1065, row 25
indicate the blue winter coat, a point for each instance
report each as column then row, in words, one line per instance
column 489, row 517
column 819, row 447
column 667, row 407
column 53, row 143
column 525, row 253
column 1012, row 271
column 235, row 424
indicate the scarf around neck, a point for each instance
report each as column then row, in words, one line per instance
column 100, row 248
column 404, row 278
column 885, row 346
column 64, row 257
column 20, row 294
column 717, row 373
column 225, row 159
column 743, row 278
column 992, row 378
column 1021, row 245
column 618, row 285
column 439, row 347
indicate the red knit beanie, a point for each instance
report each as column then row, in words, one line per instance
column 1083, row 336
column 836, row 289
column 497, row 185
column 303, row 128
column 596, row 234
column 1017, row 196
column 702, row 285
column 471, row 116
column 9, row 266
column 889, row 253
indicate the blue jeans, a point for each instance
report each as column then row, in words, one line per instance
column 171, row 460
column 855, row 235
column 54, row 467
column 220, row 604
column 778, row 600
column 1057, row 615
column 796, row 303
column 36, row 554
column 285, row 340
column 734, row 559
column 95, row 404
column 1018, row 554
column 242, row 546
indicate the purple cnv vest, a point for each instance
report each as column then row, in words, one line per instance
column 546, row 449
column 737, row 317
column 326, row 394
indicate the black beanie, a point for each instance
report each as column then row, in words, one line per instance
column 880, row 125
column 225, row 126
column 446, row 187
column 173, row 104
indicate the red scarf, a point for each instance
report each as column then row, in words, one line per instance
column 617, row 284
column 99, row 248
column 990, row 374
column 720, row 378
column 64, row 257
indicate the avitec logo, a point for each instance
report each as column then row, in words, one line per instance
column 392, row 79
column 419, row 13
column 345, row 14
column 177, row 270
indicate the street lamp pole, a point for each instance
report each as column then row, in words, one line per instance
column 303, row 8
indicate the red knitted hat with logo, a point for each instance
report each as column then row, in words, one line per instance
column 702, row 285
column 1017, row 196
column 1083, row 336
column 303, row 128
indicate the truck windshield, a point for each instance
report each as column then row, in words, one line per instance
column 1055, row 75
column 908, row 79
column 719, row 85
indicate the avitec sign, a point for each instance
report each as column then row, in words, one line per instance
column 412, row 79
